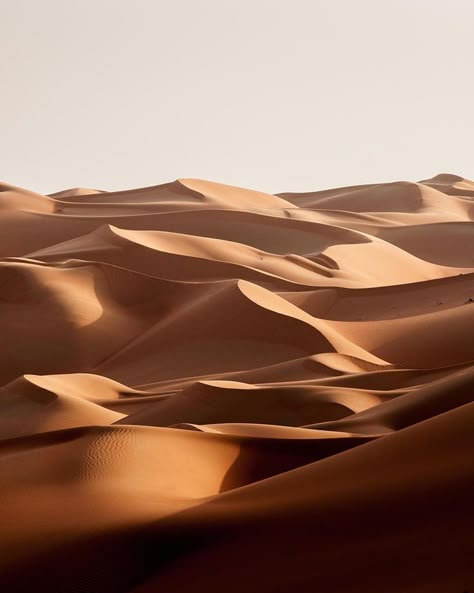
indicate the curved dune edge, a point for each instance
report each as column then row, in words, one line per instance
column 208, row 388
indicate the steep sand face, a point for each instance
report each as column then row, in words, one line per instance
column 207, row 388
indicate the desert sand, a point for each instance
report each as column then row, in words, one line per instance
column 209, row 389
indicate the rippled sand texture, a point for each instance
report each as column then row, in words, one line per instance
column 210, row 389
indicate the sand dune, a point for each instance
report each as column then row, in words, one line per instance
column 208, row 388
column 389, row 197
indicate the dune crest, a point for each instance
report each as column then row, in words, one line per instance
column 208, row 388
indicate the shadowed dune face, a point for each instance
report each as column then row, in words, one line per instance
column 208, row 388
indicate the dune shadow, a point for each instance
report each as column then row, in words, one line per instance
column 261, row 458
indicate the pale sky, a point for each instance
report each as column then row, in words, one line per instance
column 276, row 95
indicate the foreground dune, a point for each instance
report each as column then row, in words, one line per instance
column 206, row 388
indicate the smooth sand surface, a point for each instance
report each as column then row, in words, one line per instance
column 210, row 389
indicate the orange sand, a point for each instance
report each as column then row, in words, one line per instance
column 209, row 389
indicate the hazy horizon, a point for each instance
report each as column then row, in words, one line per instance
column 276, row 96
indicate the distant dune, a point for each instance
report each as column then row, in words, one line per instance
column 209, row 389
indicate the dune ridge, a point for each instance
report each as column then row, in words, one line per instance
column 208, row 388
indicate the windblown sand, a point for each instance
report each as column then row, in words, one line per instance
column 210, row 389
